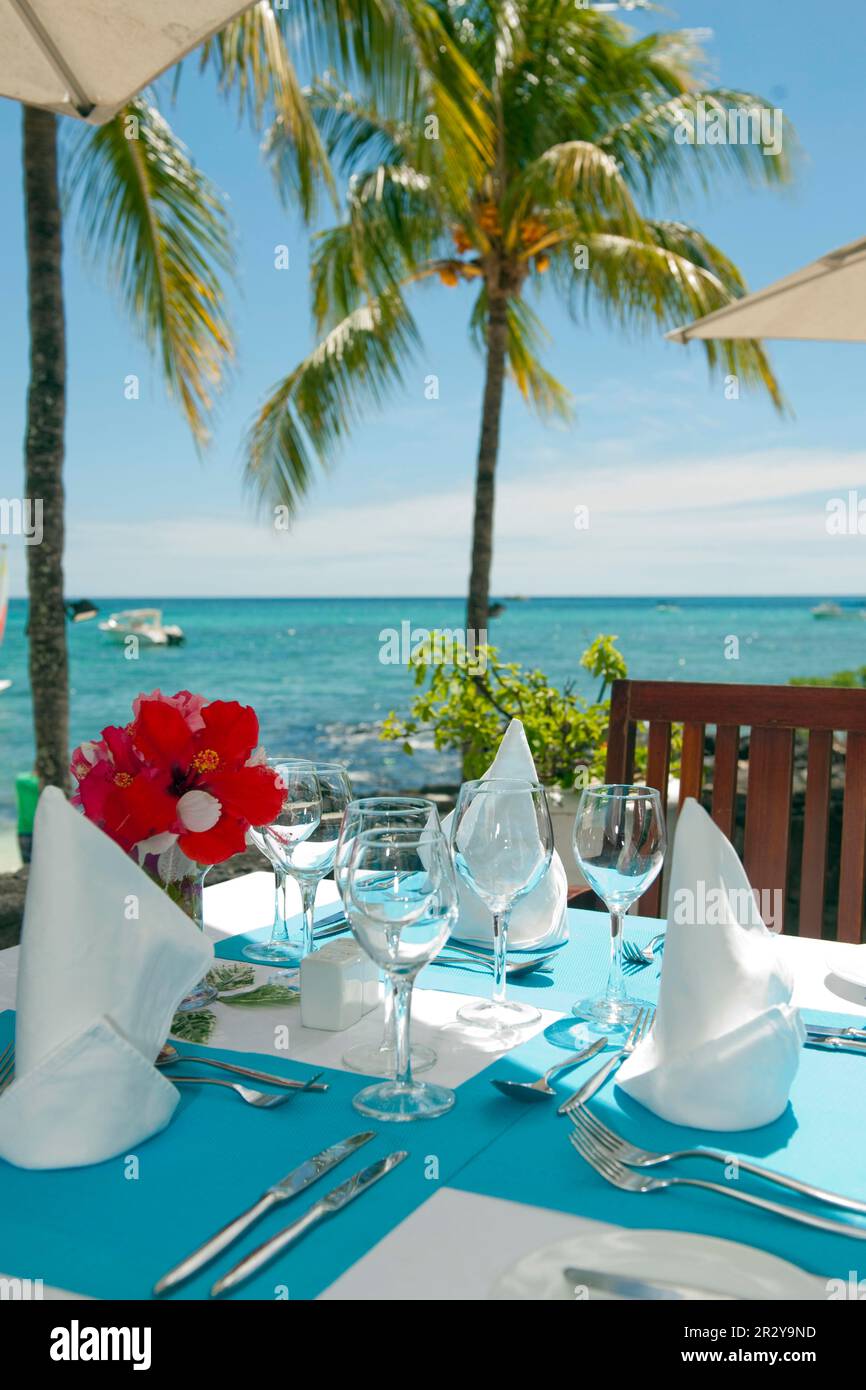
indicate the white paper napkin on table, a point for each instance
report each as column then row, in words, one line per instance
column 106, row 956
column 726, row 1042
column 539, row 918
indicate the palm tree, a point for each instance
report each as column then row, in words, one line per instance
column 584, row 120
column 148, row 213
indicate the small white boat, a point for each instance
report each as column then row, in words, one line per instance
column 145, row 624
column 827, row 610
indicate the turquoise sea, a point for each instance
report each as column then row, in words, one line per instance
column 312, row 668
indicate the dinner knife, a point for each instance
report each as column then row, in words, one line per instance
column 626, row 1287
column 829, row 1042
column 823, row 1030
column 294, row 1182
column 334, row 1201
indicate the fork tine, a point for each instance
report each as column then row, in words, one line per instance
column 7, row 1066
column 596, row 1128
column 647, row 1023
column 604, row 1166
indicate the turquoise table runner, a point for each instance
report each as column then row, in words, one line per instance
column 577, row 969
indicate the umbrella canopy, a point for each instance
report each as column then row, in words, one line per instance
column 88, row 57
column 825, row 301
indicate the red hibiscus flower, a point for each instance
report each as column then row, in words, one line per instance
column 183, row 772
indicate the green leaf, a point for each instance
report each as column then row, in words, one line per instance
column 264, row 995
column 195, row 1027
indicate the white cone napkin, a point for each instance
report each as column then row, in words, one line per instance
column 106, row 956
column 539, row 918
column 726, row 1043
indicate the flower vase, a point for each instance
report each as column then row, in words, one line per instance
column 183, row 881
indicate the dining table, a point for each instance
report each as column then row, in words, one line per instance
column 482, row 1187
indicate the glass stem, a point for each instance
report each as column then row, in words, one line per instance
column 615, row 980
column 388, row 1040
column 402, row 995
column 308, row 887
column 500, row 949
column 280, row 930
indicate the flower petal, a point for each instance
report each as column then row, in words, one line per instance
column 232, row 730
column 198, row 811
column 253, row 794
column 227, row 837
column 161, row 735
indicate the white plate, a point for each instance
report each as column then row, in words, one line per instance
column 848, row 962
column 722, row 1267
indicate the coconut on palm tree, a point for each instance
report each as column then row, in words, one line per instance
column 584, row 120
column 148, row 214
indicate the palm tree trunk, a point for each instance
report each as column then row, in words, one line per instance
column 477, row 609
column 43, row 448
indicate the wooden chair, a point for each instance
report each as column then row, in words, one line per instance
column 772, row 713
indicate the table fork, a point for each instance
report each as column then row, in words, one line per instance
column 7, row 1066
column 262, row 1100
column 637, row 1157
column 627, row 1180
column 642, row 1024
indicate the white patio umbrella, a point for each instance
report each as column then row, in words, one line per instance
column 86, row 58
column 824, row 302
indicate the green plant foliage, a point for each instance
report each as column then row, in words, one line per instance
column 468, row 701
column 849, row 680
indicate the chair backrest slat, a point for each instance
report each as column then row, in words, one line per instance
column 768, row 815
column 657, row 772
column 725, row 778
column 692, row 764
column 813, row 866
column 773, row 714
column 853, row 859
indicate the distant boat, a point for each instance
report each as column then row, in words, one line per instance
column 831, row 610
column 145, row 624
column 4, row 604
column 668, row 608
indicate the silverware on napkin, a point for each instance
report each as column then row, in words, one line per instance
column 624, row 1286
column 301, row 1177
column 334, row 1201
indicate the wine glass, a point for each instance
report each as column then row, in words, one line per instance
column 619, row 843
column 298, row 818
column 502, row 842
column 309, row 859
column 382, row 813
column 401, row 899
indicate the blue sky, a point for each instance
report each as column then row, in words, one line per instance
column 688, row 492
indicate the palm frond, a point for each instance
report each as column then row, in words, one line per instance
column 671, row 276
column 526, row 334
column 576, row 172
column 150, row 215
column 653, row 148
column 252, row 62
column 308, row 415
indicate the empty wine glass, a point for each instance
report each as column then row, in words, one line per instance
column 619, row 843
column 502, row 842
column 298, row 818
column 401, row 899
column 309, row 859
column 382, row 813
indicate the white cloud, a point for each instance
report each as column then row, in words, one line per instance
column 735, row 523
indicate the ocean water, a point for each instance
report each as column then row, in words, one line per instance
column 312, row 668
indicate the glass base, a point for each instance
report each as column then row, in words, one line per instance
column 501, row 1018
column 392, row 1101
column 571, row 1034
column 271, row 953
column 379, row 1059
column 602, row 1016
column 198, row 998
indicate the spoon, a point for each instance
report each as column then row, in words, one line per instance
column 512, row 967
column 168, row 1055
column 541, row 1089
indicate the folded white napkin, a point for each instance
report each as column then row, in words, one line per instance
column 539, row 918
column 726, row 1043
column 106, row 956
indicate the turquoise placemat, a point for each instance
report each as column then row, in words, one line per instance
column 819, row 1137
column 110, row 1230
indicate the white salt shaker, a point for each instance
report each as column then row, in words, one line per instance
column 339, row 984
